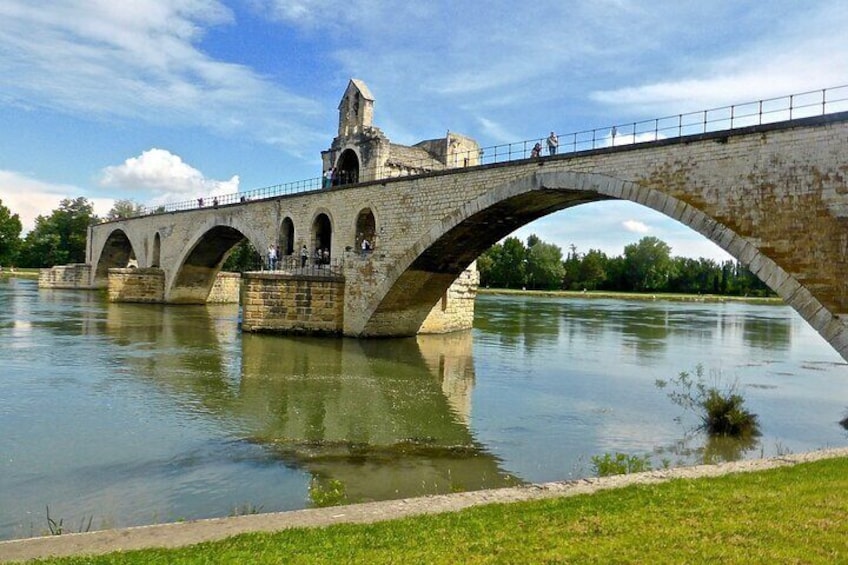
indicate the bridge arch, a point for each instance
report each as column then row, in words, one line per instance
column 201, row 263
column 421, row 276
column 115, row 253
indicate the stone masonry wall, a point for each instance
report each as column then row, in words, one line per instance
column 74, row 276
column 136, row 285
column 226, row 290
column 296, row 304
column 455, row 311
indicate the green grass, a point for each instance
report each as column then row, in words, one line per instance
column 793, row 514
column 19, row 273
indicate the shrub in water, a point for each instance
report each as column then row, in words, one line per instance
column 721, row 409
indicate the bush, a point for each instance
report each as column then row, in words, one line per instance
column 721, row 409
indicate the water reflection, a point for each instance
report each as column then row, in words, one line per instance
column 387, row 418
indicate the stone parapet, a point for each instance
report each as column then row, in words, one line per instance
column 293, row 304
column 76, row 276
column 136, row 285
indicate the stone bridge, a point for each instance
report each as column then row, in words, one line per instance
column 773, row 196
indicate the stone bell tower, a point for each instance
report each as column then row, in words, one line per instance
column 361, row 152
column 356, row 109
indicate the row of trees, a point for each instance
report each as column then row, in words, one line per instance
column 57, row 239
column 646, row 266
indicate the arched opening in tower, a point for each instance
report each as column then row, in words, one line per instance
column 347, row 169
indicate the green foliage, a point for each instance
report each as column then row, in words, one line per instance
column 125, row 209
column 648, row 264
column 243, row 258
column 60, row 238
column 544, row 265
column 619, row 464
column 330, row 492
column 720, row 408
column 10, row 233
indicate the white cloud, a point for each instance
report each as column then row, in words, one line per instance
column 141, row 61
column 29, row 198
column 167, row 176
column 635, row 226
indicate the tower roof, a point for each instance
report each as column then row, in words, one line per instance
column 363, row 89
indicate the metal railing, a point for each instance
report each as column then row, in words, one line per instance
column 311, row 266
column 770, row 110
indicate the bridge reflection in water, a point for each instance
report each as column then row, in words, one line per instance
column 385, row 418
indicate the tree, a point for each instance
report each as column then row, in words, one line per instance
column 125, row 209
column 60, row 238
column 544, row 265
column 648, row 264
column 593, row 269
column 503, row 265
column 10, row 233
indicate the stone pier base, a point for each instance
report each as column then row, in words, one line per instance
column 294, row 304
column 76, row 276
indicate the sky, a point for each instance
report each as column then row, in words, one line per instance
column 159, row 101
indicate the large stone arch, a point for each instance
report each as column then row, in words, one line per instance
column 193, row 279
column 417, row 279
column 115, row 253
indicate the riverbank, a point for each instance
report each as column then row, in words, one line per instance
column 632, row 295
column 784, row 509
column 8, row 273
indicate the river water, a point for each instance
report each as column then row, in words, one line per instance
column 127, row 414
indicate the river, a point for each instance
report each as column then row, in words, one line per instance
column 123, row 414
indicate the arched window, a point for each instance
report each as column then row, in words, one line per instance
column 157, row 250
column 365, row 228
column 287, row 237
column 322, row 237
column 347, row 169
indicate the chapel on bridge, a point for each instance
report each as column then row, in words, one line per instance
column 361, row 152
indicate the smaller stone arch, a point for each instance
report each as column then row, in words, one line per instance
column 365, row 229
column 322, row 236
column 155, row 259
column 117, row 252
column 347, row 168
column 287, row 236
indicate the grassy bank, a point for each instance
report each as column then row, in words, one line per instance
column 796, row 514
column 19, row 273
column 633, row 295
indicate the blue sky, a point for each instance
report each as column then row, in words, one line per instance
column 165, row 100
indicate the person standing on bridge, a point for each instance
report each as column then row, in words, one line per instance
column 553, row 143
column 304, row 255
column 536, row 151
column 272, row 257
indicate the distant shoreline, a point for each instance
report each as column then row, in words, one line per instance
column 590, row 294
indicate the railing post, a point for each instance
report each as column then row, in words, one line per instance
column 760, row 113
column 791, row 100
column 824, row 99
column 679, row 125
column 732, row 109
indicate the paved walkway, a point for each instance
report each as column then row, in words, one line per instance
column 188, row 533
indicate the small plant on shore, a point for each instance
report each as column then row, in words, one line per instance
column 607, row 464
column 720, row 408
column 246, row 509
column 58, row 528
column 331, row 493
